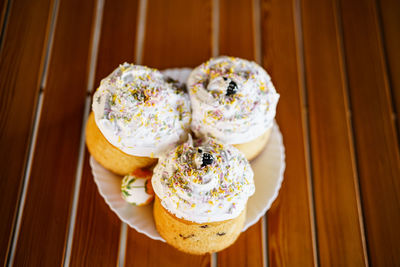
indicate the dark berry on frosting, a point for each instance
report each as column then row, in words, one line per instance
column 232, row 88
column 199, row 150
column 207, row 159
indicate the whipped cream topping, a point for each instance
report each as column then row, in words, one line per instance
column 233, row 100
column 140, row 111
column 203, row 181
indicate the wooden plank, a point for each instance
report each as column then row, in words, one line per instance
column 390, row 19
column 178, row 34
column 118, row 37
column 290, row 225
column 44, row 223
column 340, row 236
column 3, row 11
column 236, row 38
column 236, row 31
column 21, row 66
column 97, row 229
column 143, row 251
column 376, row 141
column 248, row 250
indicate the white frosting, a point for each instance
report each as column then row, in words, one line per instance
column 140, row 111
column 231, row 118
column 135, row 190
column 201, row 193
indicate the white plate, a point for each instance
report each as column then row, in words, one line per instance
column 268, row 170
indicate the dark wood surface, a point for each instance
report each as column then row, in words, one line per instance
column 23, row 48
column 389, row 21
column 335, row 185
column 334, row 62
column 376, row 143
column 44, row 226
column 291, row 239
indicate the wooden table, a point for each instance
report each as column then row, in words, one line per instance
column 336, row 64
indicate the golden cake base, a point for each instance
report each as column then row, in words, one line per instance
column 108, row 155
column 253, row 148
column 194, row 238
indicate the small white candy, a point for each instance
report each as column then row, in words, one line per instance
column 137, row 191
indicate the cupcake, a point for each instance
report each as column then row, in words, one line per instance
column 234, row 101
column 137, row 115
column 202, row 188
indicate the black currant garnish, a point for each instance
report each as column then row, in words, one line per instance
column 207, row 159
column 232, row 88
column 199, row 150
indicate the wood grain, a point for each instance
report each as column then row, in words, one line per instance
column 376, row 141
column 143, row 251
column 248, row 250
column 97, row 232
column 21, row 66
column 340, row 237
column 117, row 38
column 178, row 33
column 3, row 11
column 290, row 225
column 44, row 223
column 180, row 42
column 236, row 32
column 97, row 228
column 390, row 23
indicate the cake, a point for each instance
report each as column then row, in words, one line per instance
column 137, row 115
column 234, row 101
column 202, row 188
